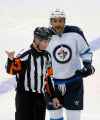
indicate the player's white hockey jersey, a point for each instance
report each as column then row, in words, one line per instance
column 67, row 51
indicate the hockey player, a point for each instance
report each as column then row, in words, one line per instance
column 71, row 61
column 33, row 70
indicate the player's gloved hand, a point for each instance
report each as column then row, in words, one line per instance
column 87, row 70
column 56, row 103
column 62, row 88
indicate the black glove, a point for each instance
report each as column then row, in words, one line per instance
column 87, row 70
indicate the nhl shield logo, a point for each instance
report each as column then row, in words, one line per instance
column 62, row 54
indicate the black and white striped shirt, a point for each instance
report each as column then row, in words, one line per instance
column 34, row 66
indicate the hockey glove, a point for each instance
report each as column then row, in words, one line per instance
column 87, row 70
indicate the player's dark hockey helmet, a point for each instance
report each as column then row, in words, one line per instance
column 42, row 33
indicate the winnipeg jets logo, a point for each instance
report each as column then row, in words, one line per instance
column 62, row 53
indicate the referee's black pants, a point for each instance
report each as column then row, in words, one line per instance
column 30, row 106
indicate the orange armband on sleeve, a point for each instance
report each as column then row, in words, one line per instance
column 50, row 72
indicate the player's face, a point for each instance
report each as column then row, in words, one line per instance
column 58, row 24
column 43, row 44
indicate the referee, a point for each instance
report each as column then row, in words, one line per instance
column 33, row 70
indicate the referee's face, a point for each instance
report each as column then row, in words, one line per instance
column 43, row 44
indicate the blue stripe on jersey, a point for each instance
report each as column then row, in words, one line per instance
column 66, row 81
column 58, row 119
column 85, row 52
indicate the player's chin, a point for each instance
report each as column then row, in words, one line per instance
column 59, row 30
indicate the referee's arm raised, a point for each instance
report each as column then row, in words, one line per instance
column 13, row 64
